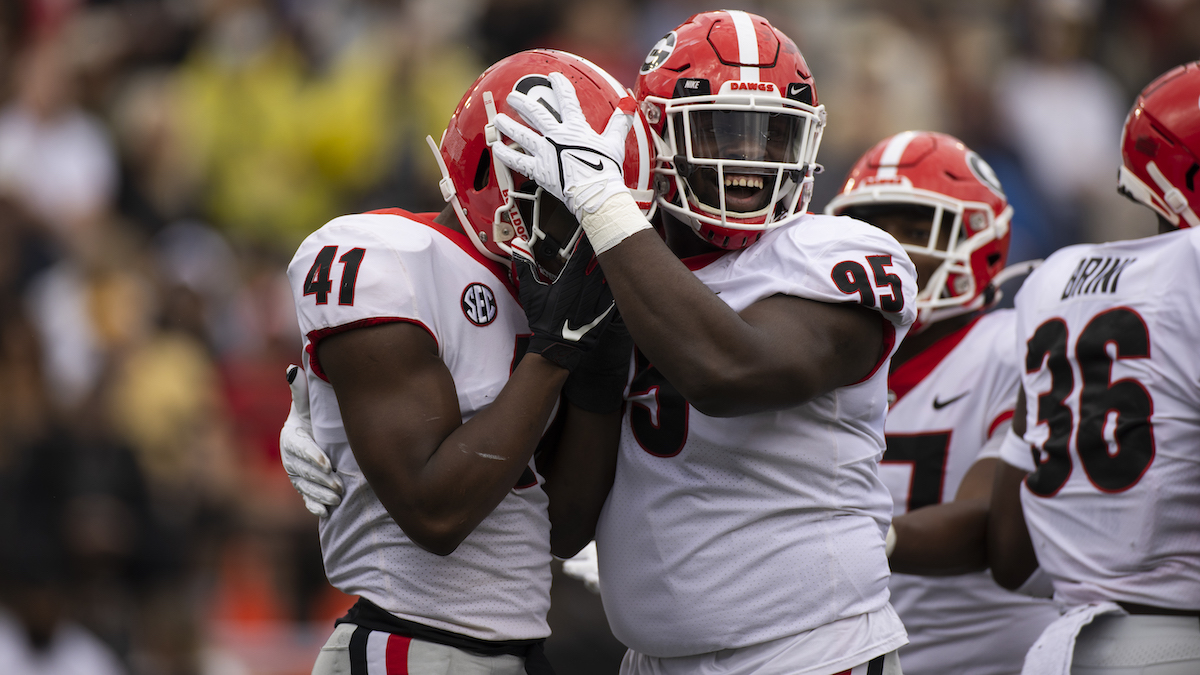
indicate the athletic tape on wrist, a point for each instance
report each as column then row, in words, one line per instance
column 890, row 544
column 616, row 220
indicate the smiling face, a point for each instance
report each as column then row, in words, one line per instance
column 740, row 136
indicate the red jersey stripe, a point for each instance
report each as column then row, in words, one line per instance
column 396, row 656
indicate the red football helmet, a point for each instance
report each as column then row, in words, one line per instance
column 495, row 204
column 937, row 171
column 736, row 125
column 1160, row 146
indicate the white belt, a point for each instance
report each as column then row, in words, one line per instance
column 1053, row 651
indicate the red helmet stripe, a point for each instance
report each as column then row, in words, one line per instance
column 893, row 153
column 747, row 44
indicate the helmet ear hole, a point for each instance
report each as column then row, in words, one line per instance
column 482, row 171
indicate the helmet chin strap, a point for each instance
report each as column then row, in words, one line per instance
column 1172, row 195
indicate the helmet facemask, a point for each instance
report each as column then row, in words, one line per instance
column 739, row 163
column 553, row 230
column 957, row 229
column 529, row 212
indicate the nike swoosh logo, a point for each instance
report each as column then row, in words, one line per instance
column 795, row 89
column 597, row 166
column 576, row 334
column 938, row 405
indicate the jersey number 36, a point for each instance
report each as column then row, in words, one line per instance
column 1116, row 461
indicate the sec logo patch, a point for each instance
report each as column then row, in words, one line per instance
column 479, row 304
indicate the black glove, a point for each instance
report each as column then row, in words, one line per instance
column 568, row 316
column 598, row 384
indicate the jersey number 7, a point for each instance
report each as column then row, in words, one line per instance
column 926, row 454
column 318, row 283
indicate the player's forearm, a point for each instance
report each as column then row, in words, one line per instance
column 478, row 463
column 579, row 479
column 779, row 352
column 1011, row 555
column 941, row 540
column 707, row 352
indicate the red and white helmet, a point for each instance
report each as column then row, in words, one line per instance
column 935, row 170
column 1160, row 146
column 495, row 204
column 736, row 125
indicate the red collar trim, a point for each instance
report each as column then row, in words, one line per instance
column 703, row 260
column 459, row 239
column 910, row 373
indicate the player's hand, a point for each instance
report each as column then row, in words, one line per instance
column 569, row 159
column 598, row 384
column 568, row 316
column 306, row 464
column 584, row 567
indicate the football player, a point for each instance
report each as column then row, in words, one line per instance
column 953, row 386
column 744, row 531
column 429, row 387
column 1100, row 478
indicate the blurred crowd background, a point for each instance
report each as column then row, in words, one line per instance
column 161, row 159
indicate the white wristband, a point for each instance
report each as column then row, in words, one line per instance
column 890, row 543
column 616, row 220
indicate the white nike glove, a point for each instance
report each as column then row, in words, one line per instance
column 585, row 567
column 306, row 464
column 569, row 159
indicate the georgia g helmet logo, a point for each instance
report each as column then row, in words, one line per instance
column 983, row 171
column 537, row 87
column 659, row 53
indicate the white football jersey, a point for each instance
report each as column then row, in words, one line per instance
column 373, row 268
column 949, row 402
column 1108, row 339
column 728, row 532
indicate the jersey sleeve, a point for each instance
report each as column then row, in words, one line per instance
column 991, row 447
column 360, row 271
column 1015, row 451
column 844, row 260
